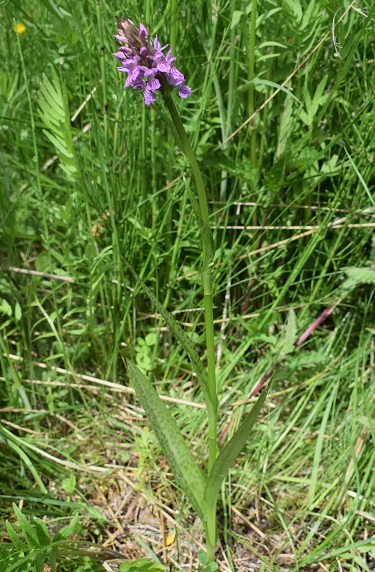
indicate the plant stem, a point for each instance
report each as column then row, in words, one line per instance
column 211, row 528
column 207, row 280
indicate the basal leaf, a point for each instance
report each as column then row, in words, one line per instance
column 181, row 462
column 232, row 449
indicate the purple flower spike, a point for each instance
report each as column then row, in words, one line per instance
column 148, row 68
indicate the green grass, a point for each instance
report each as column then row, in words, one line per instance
column 77, row 196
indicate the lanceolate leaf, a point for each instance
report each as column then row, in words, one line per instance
column 180, row 460
column 181, row 336
column 231, row 450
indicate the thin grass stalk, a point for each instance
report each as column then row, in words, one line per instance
column 229, row 109
column 142, row 183
column 173, row 23
column 176, row 247
column 251, row 71
column 103, row 71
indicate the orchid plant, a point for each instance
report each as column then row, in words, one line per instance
column 150, row 70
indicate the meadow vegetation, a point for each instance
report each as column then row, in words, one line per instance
column 89, row 177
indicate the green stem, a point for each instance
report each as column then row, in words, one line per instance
column 211, row 528
column 207, row 280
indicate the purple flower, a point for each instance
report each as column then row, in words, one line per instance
column 148, row 97
column 174, row 77
column 184, row 91
column 148, row 68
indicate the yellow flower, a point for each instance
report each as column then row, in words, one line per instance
column 170, row 539
column 19, row 28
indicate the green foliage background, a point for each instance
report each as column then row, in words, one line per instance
column 90, row 175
